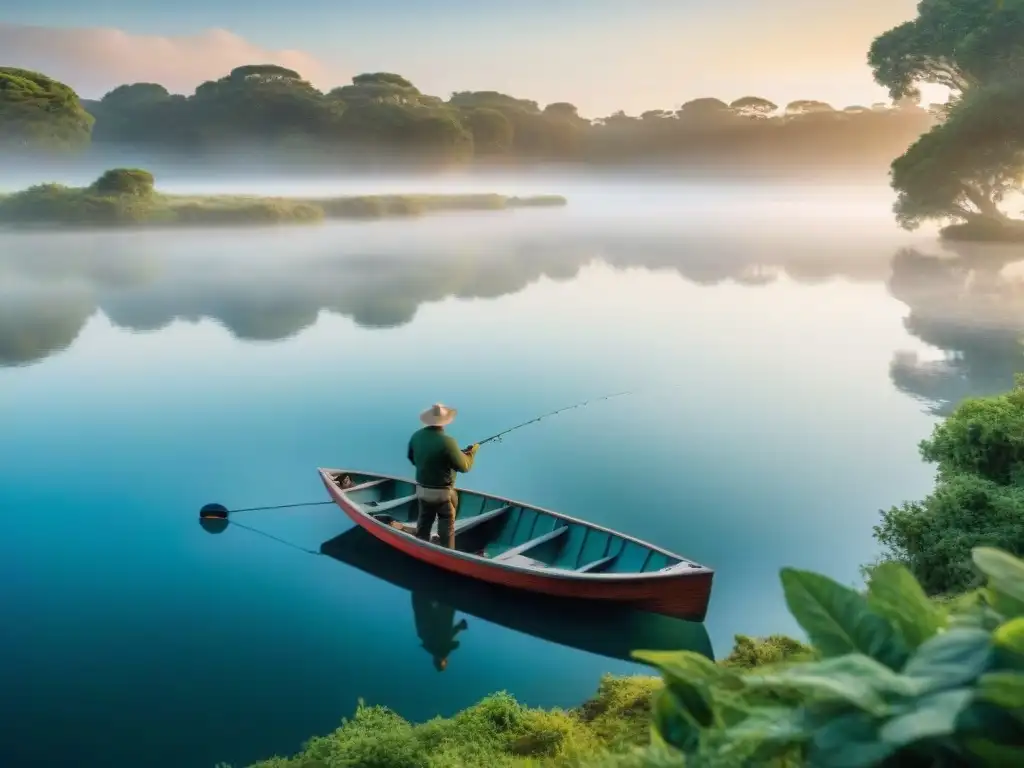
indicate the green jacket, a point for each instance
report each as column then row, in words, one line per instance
column 437, row 457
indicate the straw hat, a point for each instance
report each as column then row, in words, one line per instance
column 438, row 415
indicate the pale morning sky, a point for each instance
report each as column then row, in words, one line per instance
column 602, row 55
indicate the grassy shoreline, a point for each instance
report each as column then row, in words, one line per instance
column 127, row 198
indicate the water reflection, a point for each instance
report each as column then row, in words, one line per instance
column 53, row 283
column 967, row 301
column 436, row 627
column 437, row 595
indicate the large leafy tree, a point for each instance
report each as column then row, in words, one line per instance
column 37, row 112
column 963, row 168
column 958, row 44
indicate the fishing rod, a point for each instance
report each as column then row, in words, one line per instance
column 214, row 517
column 551, row 413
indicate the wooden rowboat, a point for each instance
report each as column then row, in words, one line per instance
column 517, row 545
column 615, row 632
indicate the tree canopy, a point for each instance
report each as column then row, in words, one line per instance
column 39, row 113
column 973, row 159
column 385, row 117
column 958, row 44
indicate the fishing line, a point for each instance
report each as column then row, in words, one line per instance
column 278, row 540
column 501, row 434
column 276, row 506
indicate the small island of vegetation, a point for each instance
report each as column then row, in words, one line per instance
column 127, row 196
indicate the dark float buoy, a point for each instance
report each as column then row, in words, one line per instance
column 214, row 518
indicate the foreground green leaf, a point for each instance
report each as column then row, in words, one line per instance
column 672, row 725
column 995, row 755
column 838, row 619
column 1004, row 571
column 1010, row 636
column 930, row 717
column 854, row 679
column 895, row 594
column 954, row 658
column 1005, row 689
column 848, row 741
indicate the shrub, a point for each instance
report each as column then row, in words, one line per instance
column 978, row 499
column 124, row 181
column 902, row 681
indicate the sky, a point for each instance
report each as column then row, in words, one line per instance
column 602, row 55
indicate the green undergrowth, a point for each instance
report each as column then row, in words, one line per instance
column 497, row 731
column 611, row 729
column 127, row 197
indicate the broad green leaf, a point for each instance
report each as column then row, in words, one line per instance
column 1005, row 572
column 995, row 755
column 1005, row 689
column 855, row 679
column 895, row 594
column 838, row 620
column 685, row 665
column 1011, row 636
column 951, row 659
column 848, row 741
column 672, row 724
column 776, row 725
column 930, row 717
column 686, row 674
column 1004, row 605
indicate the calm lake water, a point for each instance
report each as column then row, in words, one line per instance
column 780, row 385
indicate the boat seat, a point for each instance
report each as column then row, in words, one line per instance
column 509, row 554
column 596, row 565
column 472, row 522
column 463, row 525
column 364, row 486
column 522, row 560
column 374, row 508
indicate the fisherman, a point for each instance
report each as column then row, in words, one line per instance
column 437, row 458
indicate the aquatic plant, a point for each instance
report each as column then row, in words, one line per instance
column 126, row 196
column 901, row 680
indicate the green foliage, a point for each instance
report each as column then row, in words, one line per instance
column 126, row 196
column 963, row 168
column 39, row 113
column 124, row 181
column 954, row 43
column 382, row 117
column 498, row 731
column 901, row 681
column 978, row 499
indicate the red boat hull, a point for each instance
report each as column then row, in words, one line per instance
column 685, row 595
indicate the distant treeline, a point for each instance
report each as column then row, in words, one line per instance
column 384, row 116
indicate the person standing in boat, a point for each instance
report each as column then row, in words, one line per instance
column 437, row 457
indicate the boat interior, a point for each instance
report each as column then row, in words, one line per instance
column 508, row 533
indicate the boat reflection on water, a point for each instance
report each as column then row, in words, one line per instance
column 437, row 595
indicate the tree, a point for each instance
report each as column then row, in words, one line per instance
column 704, row 110
column 964, row 167
column 39, row 113
column 381, row 87
column 808, row 107
column 264, row 103
column 754, row 106
column 958, row 44
column 492, row 131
